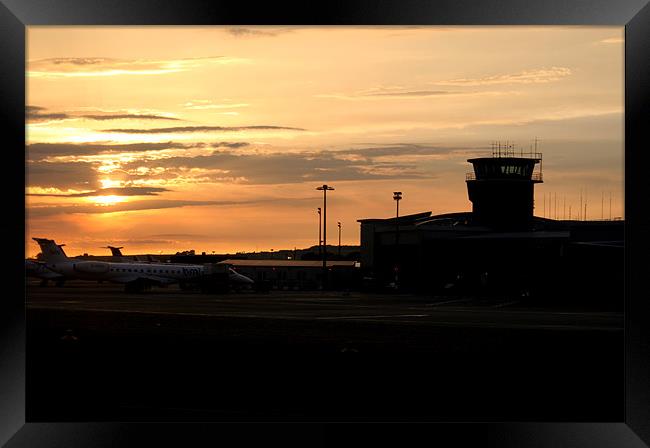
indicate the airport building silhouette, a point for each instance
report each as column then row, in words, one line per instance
column 500, row 247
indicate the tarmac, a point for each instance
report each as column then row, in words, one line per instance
column 466, row 312
column 96, row 352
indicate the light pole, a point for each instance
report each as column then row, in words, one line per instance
column 397, row 196
column 319, row 238
column 339, row 224
column 325, row 187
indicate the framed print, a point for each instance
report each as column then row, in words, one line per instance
column 337, row 216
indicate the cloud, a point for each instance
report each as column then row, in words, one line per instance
column 405, row 149
column 225, row 164
column 200, row 129
column 39, row 211
column 121, row 191
column 543, row 75
column 415, row 93
column 232, row 145
column 285, row 168
column 63, row 176
column 207, row 104
column 40, row 151
column 101, row 67
column 250, row 32
column 379, row 93
column 35, row 114
column 127, row 117
column 612, row 40
column 77, row 61
column 46, row 210
column 81, row 175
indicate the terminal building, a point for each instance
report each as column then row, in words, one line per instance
column 500, row 247
column 298, row 274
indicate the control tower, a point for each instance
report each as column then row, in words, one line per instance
column 501, row 187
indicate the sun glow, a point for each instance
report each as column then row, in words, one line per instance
column 107, row 200
column 110, row 183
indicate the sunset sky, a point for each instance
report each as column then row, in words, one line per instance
column 215, row 138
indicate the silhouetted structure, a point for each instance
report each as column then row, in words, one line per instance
column 320, row 239
column 501, row 189
column 499, row 247
column 325, row 188
column 298, row 274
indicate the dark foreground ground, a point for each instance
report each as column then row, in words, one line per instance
column 97, row 353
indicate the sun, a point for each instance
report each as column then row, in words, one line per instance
column 107, row 200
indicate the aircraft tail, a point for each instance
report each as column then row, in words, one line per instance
column 52, row 252
column 115, row 251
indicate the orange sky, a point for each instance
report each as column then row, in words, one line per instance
column 215, row 138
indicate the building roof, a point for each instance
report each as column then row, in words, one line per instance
column 447, row 219
column 402, row 219
column 288, row 263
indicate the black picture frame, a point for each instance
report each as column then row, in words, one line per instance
column 15, row 15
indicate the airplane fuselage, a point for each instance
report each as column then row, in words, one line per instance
column 126, row 272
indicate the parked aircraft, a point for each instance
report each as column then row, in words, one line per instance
column 38, row 269
column 136, row 276
column 239, row 279
column 119, row 256
column 234, row 276
column 115, row 251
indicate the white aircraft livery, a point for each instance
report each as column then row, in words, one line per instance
column 135, row 275
column 39, row 270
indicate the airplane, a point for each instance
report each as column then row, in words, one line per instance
column 115, row 251
column 136, row 276
column 119, row 256
column 234, row 276
column 238, row 278
column 38, row 269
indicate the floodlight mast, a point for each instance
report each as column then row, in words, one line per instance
column 397, row 196
column 339, row 224
column 324, row 188
column 320, row 240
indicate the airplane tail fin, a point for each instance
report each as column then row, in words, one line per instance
column 52, row 252
column 115, row 251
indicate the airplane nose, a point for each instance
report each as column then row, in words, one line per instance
column 245, row 279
